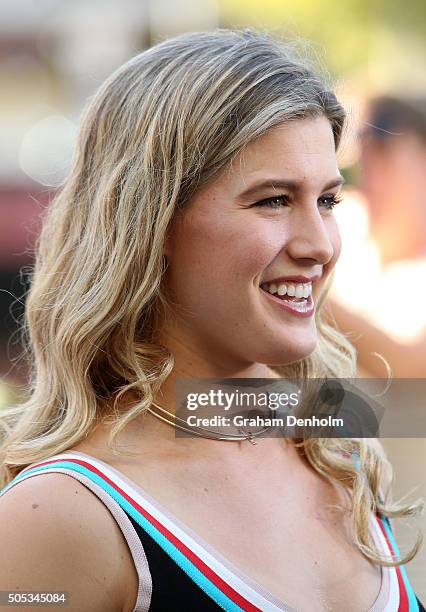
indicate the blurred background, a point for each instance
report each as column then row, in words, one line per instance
column 54, row 56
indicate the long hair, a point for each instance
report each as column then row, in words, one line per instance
column 158, row 129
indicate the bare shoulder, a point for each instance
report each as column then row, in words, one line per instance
column 60, row 537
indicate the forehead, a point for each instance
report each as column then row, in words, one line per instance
column 300, row 150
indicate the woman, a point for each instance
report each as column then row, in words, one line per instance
column 203, row 183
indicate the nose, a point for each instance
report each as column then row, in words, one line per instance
column 311, row 236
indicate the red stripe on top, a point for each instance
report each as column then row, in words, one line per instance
column 403, row 597
column 199, row 563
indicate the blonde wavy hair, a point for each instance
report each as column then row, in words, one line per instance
column 159, row 128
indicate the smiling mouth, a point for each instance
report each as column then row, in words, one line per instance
column 289, row 291
column 300, row 303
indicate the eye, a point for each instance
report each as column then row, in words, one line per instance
column 329, row 201
column 274, row 202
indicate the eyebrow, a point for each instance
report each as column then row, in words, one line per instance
column 252, row 191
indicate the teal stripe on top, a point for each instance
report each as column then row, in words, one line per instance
column 179, row 558
column 413, row 606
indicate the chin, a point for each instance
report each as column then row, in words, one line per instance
column 288, row 351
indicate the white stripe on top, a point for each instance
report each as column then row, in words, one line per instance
column 386, row 601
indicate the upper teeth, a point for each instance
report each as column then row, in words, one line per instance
column 298, row 290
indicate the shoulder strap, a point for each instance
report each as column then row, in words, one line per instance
column 229, row 589
column 64, row 465
column 399, row 579
column 408, row 600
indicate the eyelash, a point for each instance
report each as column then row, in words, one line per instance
column 269, row 202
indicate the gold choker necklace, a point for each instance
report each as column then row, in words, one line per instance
column 199, row 431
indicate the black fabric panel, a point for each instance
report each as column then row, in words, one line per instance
column 172, row 589
column 421, row 606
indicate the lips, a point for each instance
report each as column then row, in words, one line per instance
column 299, row 307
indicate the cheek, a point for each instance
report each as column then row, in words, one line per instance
column 255, row 251
column 234, row 250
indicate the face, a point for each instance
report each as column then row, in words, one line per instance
column 237, row 250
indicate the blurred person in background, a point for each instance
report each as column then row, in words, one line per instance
column 384, row 308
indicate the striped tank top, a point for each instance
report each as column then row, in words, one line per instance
column 179, row 571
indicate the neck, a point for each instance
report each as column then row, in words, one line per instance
column 166, row 398
column 193, row 362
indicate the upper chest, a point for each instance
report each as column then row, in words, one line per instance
column 281, row 532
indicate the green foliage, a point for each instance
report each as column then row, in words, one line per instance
column 347, row 33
